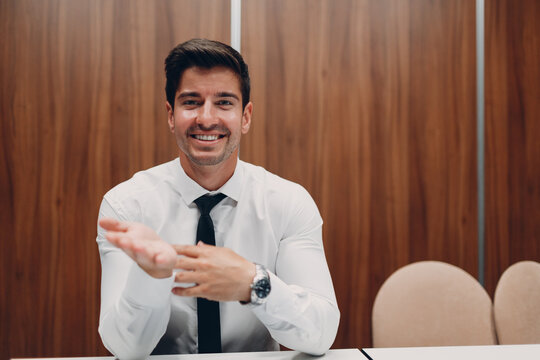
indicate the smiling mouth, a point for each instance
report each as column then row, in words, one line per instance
column 207, row 137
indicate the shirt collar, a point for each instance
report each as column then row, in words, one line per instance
column 190, row 190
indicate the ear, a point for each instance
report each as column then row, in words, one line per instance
column 170, row 116
column 246, row 117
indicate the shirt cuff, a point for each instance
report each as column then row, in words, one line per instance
column 145, row 290
column 282, row 302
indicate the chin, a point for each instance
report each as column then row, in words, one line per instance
column 207, row 160
column 202, row 158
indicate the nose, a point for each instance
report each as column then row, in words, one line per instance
column 207, row 118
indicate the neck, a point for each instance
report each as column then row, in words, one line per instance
column 210, row 177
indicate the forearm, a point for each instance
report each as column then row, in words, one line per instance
column 301, row 312
column 132, row 333
column 135, row 314
column 299, row 319
column 135, row 307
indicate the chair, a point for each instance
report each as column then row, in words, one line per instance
column 517, row 304
column 431, row 303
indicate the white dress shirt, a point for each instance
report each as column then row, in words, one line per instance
column 265, row 219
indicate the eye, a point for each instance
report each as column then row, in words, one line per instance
column 224, row 102
column 190, row 102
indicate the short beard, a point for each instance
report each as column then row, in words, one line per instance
column 209, row 161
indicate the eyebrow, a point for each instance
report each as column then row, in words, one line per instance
column 221, row 94
column 227, row 94
column 188, row 94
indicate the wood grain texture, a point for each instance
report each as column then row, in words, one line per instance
column 82, row 107
column 371, row 106
column 512, row 135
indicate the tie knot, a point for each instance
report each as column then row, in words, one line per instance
column 207, row 202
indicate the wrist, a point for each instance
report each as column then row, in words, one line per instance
column 260, row 286
column 159, row 274
column 246, row 293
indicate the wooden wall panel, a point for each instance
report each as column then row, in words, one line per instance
column 512, row 135
column 82, row 107
column 371, row 106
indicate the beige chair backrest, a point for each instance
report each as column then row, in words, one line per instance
column 517, row 304
column 432, row 303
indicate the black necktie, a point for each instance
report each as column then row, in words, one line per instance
column 208, row 310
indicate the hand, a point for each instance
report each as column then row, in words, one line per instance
column 220, row 273
column 143, row 245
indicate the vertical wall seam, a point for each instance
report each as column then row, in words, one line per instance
column 480, row 8
column 236, row 24
column 236, row 29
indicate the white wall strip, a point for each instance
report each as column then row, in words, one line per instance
column 236, row 24
column 480, row 7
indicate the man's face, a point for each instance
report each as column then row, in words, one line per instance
column 208, row 119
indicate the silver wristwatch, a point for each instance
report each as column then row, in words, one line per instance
column 260, row 286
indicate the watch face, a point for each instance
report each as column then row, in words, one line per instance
column 262, row 288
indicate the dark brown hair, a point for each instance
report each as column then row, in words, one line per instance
column 205, row 54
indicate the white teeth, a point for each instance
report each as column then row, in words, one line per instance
column 206, row 137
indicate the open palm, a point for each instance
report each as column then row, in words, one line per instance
column 143, row 245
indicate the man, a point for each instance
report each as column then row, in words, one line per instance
column 265, row 283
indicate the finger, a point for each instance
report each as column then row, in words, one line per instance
column 202, row 245
column 121, row 242
column 187, row 277
column 185, row 263
column 193, row 291
column 111, row 224
column 118, row 239
column 188, row 250
column 145, row 249
column 133, row 247
column 134, row 250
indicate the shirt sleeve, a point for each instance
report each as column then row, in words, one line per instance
column 301, row 310
column 135, row 307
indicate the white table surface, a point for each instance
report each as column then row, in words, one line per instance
column 334, row 354
column 495, row 352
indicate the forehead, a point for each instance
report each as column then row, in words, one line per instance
column 216, row 79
